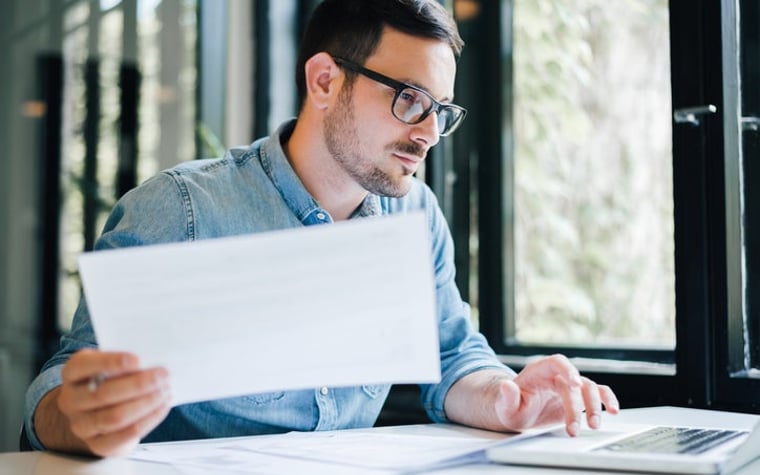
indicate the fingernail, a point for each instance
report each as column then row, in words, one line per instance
column 574, row 428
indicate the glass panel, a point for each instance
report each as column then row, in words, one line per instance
column 593, row 174
column 75, row 53
column 102, row 52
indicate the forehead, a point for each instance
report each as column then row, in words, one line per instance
column 423, row 62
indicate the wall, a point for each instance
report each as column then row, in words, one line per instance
column 26, row 28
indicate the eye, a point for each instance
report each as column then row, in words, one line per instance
column 409, row 96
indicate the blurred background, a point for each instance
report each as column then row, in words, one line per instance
column 570, row 189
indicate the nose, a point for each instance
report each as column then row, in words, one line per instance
column 426, row 132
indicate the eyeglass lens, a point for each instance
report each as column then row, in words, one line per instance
column 411, row 106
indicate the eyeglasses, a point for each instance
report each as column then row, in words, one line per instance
column 411, row 104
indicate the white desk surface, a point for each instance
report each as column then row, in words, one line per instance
column 41, row 463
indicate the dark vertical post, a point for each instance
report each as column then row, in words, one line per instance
column 91, row 131
column 129, row 83
column 262, row 67
column 50, row 80
column 691, row 34
column 493, row 109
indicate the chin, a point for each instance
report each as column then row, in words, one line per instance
column 398, row 190
column 402, row 188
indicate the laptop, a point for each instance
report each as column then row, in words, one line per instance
column 637, row 448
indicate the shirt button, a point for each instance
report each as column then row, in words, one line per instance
column 323, row 391
column 321, row 217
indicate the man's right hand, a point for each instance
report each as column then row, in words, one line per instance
column 104, row 405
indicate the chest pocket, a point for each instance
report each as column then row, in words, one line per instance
column 375, row 390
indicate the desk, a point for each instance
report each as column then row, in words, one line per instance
column 38, row 463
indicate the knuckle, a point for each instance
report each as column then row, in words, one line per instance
column 110, row 418
column 132, row 432
column 590, row 383
column 78, row 428
column 147, row 381
column 559, row 358
column 99, row 396
column 77, row 359
column 68, row 368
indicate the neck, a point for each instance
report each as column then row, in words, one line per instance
column 323, row 178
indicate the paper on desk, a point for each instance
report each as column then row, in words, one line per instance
column 344, row 304
column 407, row 449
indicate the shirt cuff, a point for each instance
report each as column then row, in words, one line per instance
column 42, row 384
column 434, row 402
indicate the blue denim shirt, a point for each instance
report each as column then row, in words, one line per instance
column 252, row 190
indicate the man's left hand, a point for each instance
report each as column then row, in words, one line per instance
column 546, row 391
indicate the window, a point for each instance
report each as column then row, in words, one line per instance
column 592, row 173
column 606, row 170
column 128, row 99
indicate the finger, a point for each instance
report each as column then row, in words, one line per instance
column 116, row 418
column 77, row 398
column 609, row 399
column 592, row 402
column 572, row 403
column 124, row 440
column 116, row 390
column 545, row 371
column 87, row 363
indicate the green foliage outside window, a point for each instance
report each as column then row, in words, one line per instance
column 593, row 173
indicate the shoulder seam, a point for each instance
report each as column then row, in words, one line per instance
column 187, row 203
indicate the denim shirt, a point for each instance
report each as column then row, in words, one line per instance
column 251, row 190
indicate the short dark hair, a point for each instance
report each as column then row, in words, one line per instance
column 351, row 29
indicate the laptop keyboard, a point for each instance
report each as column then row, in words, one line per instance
column 673, row 440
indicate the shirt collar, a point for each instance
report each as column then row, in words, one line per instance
column 277, row 167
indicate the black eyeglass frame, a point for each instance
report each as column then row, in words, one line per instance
column 398, row 87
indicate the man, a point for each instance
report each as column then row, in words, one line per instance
column 376, row 81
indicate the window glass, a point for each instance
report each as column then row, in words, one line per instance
column 109, row 48
column 593, row 196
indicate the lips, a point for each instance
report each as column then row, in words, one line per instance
column 408, row 159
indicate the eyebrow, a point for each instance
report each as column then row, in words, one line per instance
column 405, row 81
column 444, row 100
column 412, row 82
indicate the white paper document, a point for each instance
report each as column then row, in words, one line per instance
column 383, row 450
column 344, row 304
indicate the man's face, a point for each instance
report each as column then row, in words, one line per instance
column 378, row 151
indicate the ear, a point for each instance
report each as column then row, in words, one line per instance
column 323, row 80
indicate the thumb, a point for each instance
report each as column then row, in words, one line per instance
column 507, row 401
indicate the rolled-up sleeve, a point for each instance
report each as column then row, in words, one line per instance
column 463, row 349
column 157, row 213
column 81, row 336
